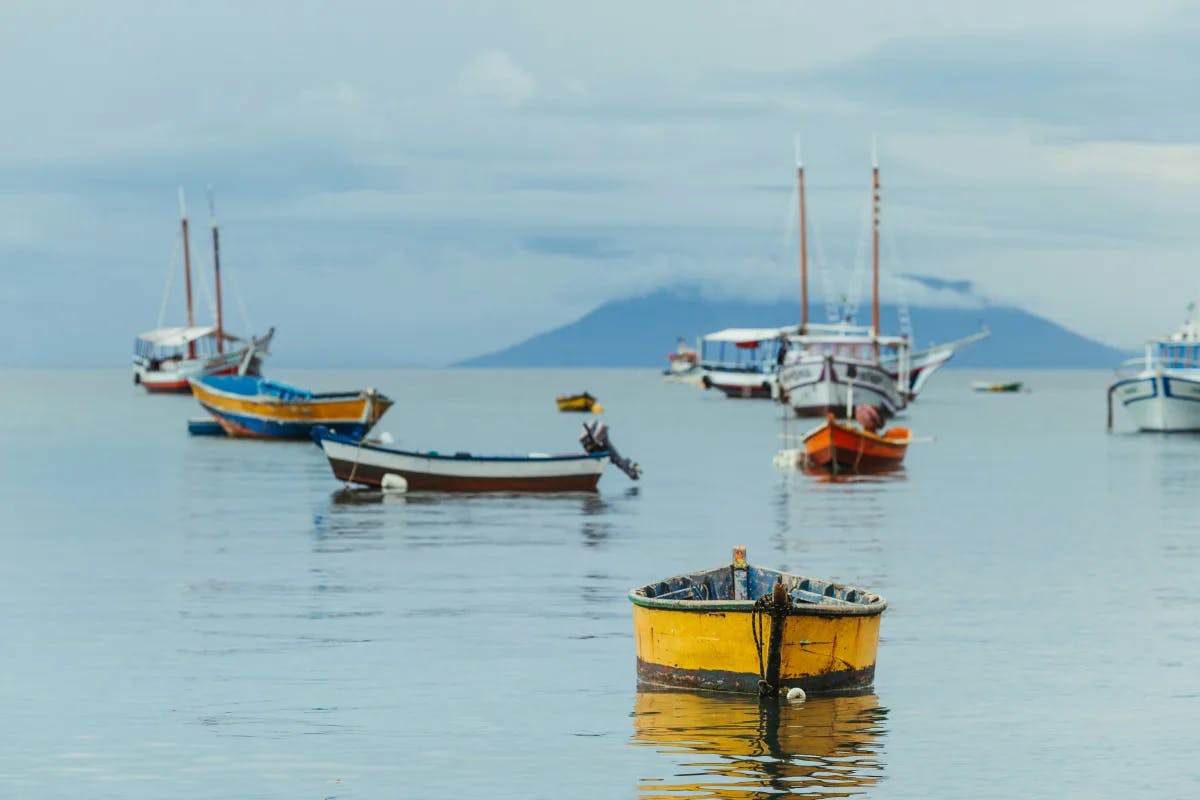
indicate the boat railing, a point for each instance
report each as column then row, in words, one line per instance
column 834, row 595
column 1132, row 367
column 760, row 367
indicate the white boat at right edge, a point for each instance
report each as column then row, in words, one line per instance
column 1161, row 390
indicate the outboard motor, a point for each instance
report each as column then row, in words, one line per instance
column 595, row 440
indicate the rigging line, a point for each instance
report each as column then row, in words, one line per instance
column 172, row 264
column 208, row 295
column 831, row 309
column 783, row 246
column 902, row 306
column 854, row 296
column 231, row 277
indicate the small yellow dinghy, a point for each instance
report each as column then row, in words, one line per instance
column 578, row 402
column 745, row 628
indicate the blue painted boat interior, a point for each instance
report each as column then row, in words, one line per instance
column 321, row 432
column 717, row 584
column 248, row 386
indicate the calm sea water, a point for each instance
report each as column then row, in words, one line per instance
column 205, row 618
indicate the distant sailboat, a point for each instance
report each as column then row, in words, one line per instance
column 748, row 362
column 165, row 358
column 823, row 359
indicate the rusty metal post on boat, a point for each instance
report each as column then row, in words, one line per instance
column 777, row 605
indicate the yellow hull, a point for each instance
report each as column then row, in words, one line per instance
column 265, row 416
column 583, row 402
column 822, row 651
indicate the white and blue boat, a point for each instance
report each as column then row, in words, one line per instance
column 1161, row 390
column 372, row 463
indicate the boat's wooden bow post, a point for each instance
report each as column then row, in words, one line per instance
column 740, row 569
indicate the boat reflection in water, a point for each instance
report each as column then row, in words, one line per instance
column 733, row 747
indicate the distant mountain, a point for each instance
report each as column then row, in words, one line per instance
column 640, row 331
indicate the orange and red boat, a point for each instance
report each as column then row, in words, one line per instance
column 843, row 447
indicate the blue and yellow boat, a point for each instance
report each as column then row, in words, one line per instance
column 247, row 406
column 744, row 628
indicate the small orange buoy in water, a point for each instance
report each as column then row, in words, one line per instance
column 868, row 417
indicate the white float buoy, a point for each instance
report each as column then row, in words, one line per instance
column 796, row 695
column 787, row 459
column 385, row 438
column 394, row 483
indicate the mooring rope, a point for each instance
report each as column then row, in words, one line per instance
column 775, row 603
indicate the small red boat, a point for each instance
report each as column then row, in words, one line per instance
column 843, row 447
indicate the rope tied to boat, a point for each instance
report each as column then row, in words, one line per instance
column 368, row 409
column 776, row 605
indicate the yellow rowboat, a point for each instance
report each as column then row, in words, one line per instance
column 737, row 747
column 744, row 628
column 578, row 402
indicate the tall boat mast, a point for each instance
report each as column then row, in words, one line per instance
column 803, row 242
column 187, row 271
column 874, row 243
column 212, row 213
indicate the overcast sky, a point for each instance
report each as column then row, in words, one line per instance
column 413, row 183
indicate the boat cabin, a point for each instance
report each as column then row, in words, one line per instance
column 1174, row 354
column 157, row 347
column 845, row 341
column 743, row 349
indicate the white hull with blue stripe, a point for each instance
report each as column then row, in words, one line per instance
column 1161, row 402
column 1161, row 391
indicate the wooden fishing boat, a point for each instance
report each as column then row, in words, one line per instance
column 583, row 402
column 844, row 447
column 745, row 628
column 166, row 358
column 984, row 386
column 371, row 463
column 266, row 409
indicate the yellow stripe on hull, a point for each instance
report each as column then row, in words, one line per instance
column 307, row 411
column 716, row 650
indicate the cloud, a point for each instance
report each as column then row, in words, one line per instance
column 504, row 151
column 494, row 76
column 1093, row 83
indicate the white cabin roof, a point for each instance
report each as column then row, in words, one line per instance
column 885, row 341
column 749, row 334
column 836, row 328
column 176, row 337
